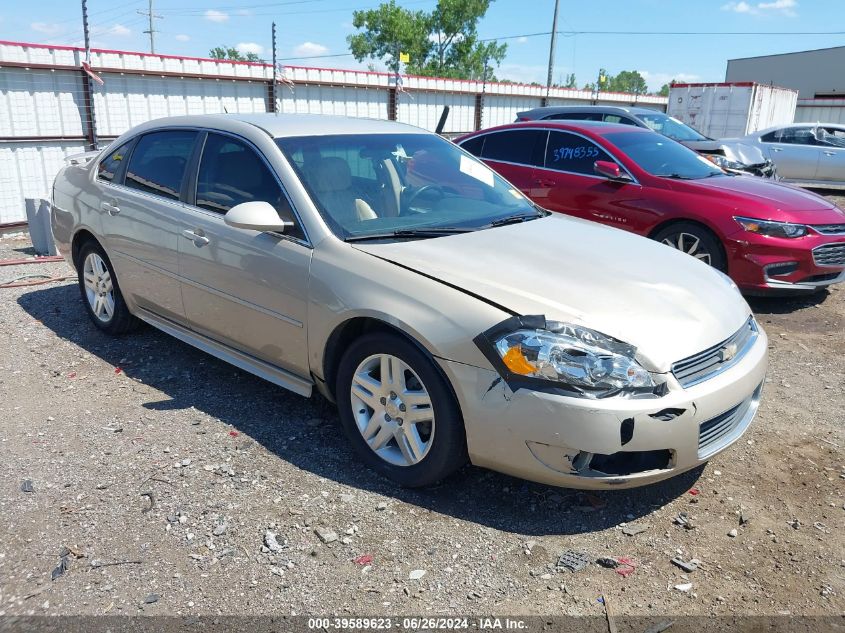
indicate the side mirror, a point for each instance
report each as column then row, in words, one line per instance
column 257, row 216
column 610, row 170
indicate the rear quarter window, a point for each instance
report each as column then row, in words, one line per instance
column 158, row 162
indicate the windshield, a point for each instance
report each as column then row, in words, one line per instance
column 380, row 184
column 660, row 156
column 668, row 126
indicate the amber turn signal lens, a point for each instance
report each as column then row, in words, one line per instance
column 516, row 362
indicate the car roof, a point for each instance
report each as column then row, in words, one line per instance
column 589, row 108
column 592, row 128
column 797, row 124
column 280, row 125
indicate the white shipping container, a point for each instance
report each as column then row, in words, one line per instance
column 721, row 110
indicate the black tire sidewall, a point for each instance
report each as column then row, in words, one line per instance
column 447, row 453
column 122, row 320
column 708, row 238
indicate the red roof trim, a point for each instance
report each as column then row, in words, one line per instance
column 633, row 97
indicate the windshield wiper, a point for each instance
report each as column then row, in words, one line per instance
column 676, row 176
column 514, row 219
column 435, row 231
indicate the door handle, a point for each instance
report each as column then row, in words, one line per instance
column 544, row 183
column 777, row 149
column 196, row 238
column 830, row 153
column 109, row 208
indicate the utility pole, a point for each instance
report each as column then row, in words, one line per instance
column 552, row 49
column 275, row 70
column 90, row 123
column 85, row 32
column 151, row 30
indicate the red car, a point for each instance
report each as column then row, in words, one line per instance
column 767, row 236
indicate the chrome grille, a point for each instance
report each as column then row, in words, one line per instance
column 718, row 432
column 699, row 367
column 829, row 229
column 830, row 255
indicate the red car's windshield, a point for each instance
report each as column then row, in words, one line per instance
column 660, row 156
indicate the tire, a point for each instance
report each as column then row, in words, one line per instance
column 101, row 296
column 411, row 453
column 694, row 240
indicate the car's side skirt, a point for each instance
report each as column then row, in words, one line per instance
column 262, row 369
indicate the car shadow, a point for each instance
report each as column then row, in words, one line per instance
column 305, row 432
column 786, row 304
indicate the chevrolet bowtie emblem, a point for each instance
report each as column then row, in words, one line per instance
column 727, row 352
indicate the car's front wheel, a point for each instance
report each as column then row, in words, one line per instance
column 100, row 291
column 696, row 241
column 398, row 411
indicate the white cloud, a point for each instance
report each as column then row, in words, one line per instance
column 243, row 12
column 249, row 47
column 216, row 16
column 310, row 49
column 521, row 40
column 183, row 38
column 119, row 29
column 45, row 28
column 655, row 81
column 782, row 7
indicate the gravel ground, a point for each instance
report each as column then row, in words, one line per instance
column 162, row 473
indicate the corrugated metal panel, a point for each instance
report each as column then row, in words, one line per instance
column 128, row 100
column 499, row 110
column 423, row 109
column 318, row 99
column 27, row 171
column 820, row 111
column 40, row 103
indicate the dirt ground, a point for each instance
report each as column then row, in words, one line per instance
column 159, row 472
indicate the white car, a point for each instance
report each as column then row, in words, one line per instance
column 448, row 317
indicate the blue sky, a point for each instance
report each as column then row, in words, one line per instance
column 319, row 27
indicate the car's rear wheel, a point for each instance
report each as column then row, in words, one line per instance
column 398, row 411
column 694, row 240
column 101, row 292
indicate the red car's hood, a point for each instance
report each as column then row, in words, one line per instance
column 765, row 199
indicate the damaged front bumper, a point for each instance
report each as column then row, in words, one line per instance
column 615, row 442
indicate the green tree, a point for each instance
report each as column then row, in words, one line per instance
column 233, row 54
column 664, row 89
column 570, row 81
column 627, row 81
column 443, row 42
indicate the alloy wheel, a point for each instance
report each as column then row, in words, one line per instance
column 99, row 289
column 392, row 410
column 689, row 244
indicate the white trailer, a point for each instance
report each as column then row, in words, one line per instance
column 721, row 110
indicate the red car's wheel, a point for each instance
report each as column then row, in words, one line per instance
column 694, row 240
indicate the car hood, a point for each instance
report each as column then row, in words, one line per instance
column 734, row 149
column 666, row 303
column 780, row 201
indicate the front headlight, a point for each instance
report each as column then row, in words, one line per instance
column 533, row 352
column 724, row 162
column 771, row 228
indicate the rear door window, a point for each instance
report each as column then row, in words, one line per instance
column 109, row 167
column 572, row 153
column 524, row 147
column 158, row 162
